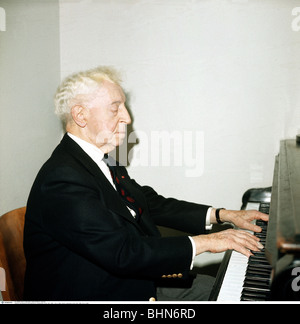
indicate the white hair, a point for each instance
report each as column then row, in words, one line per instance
column 77, row 86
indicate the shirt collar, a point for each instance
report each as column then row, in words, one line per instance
column 90, row 149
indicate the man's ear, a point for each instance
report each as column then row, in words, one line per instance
column 78, row 115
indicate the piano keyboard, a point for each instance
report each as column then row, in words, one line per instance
column 248, row 279
column 234, row 277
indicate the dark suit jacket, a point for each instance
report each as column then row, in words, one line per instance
column 82, row 243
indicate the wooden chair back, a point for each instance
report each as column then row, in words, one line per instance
column 12, row 258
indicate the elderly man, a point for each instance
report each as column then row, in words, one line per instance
column 90, row 230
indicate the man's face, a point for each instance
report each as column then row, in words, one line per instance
column 107, row 117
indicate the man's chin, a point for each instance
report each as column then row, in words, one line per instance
column 109, row 147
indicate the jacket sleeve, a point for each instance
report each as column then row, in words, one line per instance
column 173, row 213
column 74, row 214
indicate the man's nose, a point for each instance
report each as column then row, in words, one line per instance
column 125, row 116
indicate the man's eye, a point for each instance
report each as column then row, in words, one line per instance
column 114, row 108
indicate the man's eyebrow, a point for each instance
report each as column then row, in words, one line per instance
column 116, row 102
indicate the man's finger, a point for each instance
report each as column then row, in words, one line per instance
column 262, row 216
column 241, row 249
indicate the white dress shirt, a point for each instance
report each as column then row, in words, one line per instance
column 97, row 156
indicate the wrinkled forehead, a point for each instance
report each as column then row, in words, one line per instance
column 109, row 93
column 106, row 94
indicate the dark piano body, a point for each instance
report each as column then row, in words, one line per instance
column 274, row 273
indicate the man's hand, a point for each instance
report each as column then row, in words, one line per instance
column 242, row 218
column 231, row 239
column 238, row 240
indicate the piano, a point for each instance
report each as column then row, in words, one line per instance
column 273, row 274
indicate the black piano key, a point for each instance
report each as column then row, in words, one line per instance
column 259, row 271
column 260, row 265
column 264, row 208
column 258, row 258
column 258, row 261
column 261, row 223
column 260, row 255
column 250, row 295
column 252, row 292
column 246, row 296
column 256, row 286
column 258, row 289
column 260, row 235
column 257, row 274
column 256, row 277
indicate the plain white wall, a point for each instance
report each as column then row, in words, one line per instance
column 29, row 75
column 225, row 74
column 225, row 71
column 220, row 78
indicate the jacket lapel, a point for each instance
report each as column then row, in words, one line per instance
column 112, row 198
column 145, row 221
